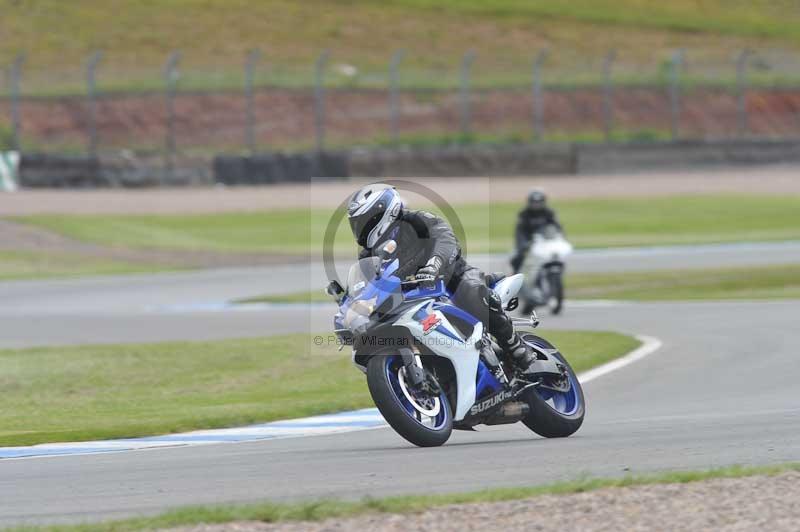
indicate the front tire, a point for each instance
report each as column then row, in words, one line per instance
column 554, row 414
column 403, row 413
column 557, row 288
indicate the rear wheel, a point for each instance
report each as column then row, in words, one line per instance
column 557, row 406
column 422, row 419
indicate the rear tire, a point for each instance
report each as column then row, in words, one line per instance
column 545, row 419
column 390, row 404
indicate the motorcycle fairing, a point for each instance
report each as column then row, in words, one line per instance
column 473, row 379
column 380, row 288
column 463, row 354
column 438, row 290
column 486, row 383
column 508, row 287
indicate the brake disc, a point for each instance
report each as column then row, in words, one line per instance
column 428, row 406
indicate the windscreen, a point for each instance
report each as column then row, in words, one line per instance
column 550, row 231
column 370, row 298
column 361, row 274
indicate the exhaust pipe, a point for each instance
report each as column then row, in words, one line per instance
column 508, row 413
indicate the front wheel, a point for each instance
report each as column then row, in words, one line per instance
column 423, row 420
column 557, row 292
column 557, row 407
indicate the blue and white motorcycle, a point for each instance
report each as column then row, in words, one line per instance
column 431, row 367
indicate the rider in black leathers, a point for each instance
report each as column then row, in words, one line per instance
column 428, row 249
column 533, row 218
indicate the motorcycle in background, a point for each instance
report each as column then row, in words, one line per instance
column 544, row 268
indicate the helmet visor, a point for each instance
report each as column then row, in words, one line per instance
column 363, row 224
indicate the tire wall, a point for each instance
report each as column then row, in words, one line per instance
column 37, row 170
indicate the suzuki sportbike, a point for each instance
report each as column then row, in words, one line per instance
column 431, row 367
column 544, row 267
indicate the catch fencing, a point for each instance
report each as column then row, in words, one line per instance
column 180, row 118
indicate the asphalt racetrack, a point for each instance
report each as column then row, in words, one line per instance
column 193, row 305
column 722, row 390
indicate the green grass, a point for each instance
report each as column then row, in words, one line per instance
column 113, row 391
column 269, row 512
column 764, row 282
column 280, row 232
column 215, row 36
column 716, row 16
column 488, row 228
column 427, row 140
column 654, row 221
column 767, row 282
column 313, row 296
column 39, row 265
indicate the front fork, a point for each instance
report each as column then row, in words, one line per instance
column 412, row 364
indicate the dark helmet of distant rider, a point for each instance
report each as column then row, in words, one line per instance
column 372, row 211
column 537, row 200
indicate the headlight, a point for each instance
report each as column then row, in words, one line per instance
column 357, row 315
column 364, row 307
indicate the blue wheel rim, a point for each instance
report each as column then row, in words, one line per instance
column 392, row 365
column 565, row 403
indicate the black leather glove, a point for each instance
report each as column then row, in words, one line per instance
column 428, row 274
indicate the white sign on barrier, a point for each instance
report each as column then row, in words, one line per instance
column 9, row 166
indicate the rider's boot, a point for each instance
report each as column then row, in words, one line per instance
column 519, row 353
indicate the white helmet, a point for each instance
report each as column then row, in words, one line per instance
column 372, row 211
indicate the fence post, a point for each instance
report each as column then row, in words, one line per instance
column 319, row 99
column 91, row 100
column 394, row 95
column 466, row 111
column 608, row 95
column 538, row 95
column 14, row 80
column 741, row 92
column 253, row 56
column 171, row 75
column 677, row 63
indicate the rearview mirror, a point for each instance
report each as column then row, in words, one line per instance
column 335, row 290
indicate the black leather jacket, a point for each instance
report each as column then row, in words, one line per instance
column 420, row 235
column 530, row 221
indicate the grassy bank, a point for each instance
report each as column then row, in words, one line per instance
column 112, row 391
column 58, row 36
column 768, row 282
column 488, row 228
column 40, row 265
column 269, row 512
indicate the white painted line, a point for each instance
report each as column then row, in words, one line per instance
column 357, row 420
column 649, row 346
column 364, row 419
